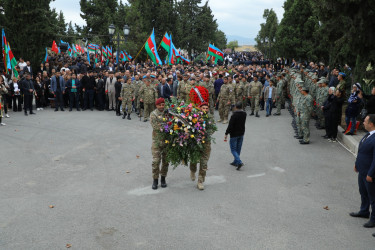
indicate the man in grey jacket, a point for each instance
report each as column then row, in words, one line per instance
column 270, row 97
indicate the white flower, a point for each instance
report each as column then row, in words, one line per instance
column 171, row 131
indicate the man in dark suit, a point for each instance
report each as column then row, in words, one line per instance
column 164, row 91
column 28, row 92
column 27, row 68
column 365, row 167
column 58, row 89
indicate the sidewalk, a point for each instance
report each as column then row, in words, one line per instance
column 350, row 141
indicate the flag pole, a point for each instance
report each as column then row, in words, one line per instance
column 142, row 47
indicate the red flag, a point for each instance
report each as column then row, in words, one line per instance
column 54, row 47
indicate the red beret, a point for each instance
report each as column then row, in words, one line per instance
column 203, row 104
column 159, row 101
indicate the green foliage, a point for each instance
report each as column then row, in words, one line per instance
column 30, row 26
column 232, row 45
column 267, row 34
column 220, row 39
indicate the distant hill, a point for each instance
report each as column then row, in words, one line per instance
column 241, row 40
column 247, row 48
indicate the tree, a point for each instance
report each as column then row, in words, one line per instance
column 40, row 26
column 267, row 34
column 220, row 39
column 233, row 45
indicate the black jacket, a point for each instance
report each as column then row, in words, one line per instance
column 335, row 110
column 236, row 126
column 118, row 87
column 370, row 106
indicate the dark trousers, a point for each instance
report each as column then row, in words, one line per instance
column 89, row 99
column 100, row 99
column 6, row 102
column 333, row 123
column 73, row 100
column 17, row 103
column 28, row 103
column 59, row 100
column 269, row 106
column 39, row 100
column 367, row 191
column 118, row 106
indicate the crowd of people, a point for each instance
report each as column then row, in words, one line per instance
column 312, row 90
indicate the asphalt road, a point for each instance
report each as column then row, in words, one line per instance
column 85, row 164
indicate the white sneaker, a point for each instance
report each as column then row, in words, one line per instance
column 2, row 124
column 7, row 116
column 41, row 109
column 37, row 109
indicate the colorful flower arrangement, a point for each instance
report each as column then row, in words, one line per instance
column 185, row 131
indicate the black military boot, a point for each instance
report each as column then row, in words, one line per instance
column 155, row 184
column 256, row 115
column 129, row 117
column 124, row 115
column 163, row 184
column 252, row 113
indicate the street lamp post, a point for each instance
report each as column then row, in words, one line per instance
column 111, row 31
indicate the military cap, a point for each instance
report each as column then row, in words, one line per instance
column 314, row 77
column 304, row 88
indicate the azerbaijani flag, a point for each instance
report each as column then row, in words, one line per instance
column 166, row 42
column 104, row 52
column 92, row 47
column 184, row 59
column 4, row 43
column 46, row 56
column 151, row 49
column 13, row 61
column 127, row 56
column 109, row 52
column 215, row 52
column 54, row 47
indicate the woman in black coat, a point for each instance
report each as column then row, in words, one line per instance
column 335, row 113
column 326, row 107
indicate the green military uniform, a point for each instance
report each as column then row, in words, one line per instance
column 226, row 95
column 203, row 162
column 148, row 96
column 321, row 97
column 137, row 86
column 239, row 91
column 182, row 90
column 158, row 155
column 279, row 95
column 254, row 91
column 306, row 106
column 127, row 95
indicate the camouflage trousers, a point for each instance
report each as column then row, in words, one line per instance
column 278, row 105
column 224, row 108
column 321, row 119
column 305, row 127
column 254, row 101
column 148, row 108
column 212, row 105
column 158, row 156
column 127, row 103
column 203, row 163
column 298, row 123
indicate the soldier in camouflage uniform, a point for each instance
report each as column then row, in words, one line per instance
column 147, row 95
column 321, row 97
column 239, row 90
column 211, row 91
column 207, row 83
column 297, row 97
column 127, row 97
column 204, row 159
column 279, row 93
column 253, row 93
column 225, row 99
column 137, row 83
column 306, row 106
column 244, row 85
column 181, row 90
column 158, row 155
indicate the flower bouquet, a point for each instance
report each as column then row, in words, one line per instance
column 184, row 132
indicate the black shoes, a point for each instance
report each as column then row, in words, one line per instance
column 303, row 142
column 298, row 137
column 359, row 215
column 252, row 113
column 70, row 110
column 129, row 117
column 145, row 120
column 276, row 114
column 62, row 110
column 256, row 115
column 26, row 114
column 124, row 115
column 349, row 133
column 163, row 184
column 267, row 115
column 233, row 164
column 239, row 166
column 155, row 184
column 369, row 224
column 32, row 113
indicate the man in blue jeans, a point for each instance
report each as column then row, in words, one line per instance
column 236, row 129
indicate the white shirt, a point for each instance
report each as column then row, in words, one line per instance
column 371, row 133
column 270, row 92
column 22, row 65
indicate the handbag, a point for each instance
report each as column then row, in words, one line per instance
column 364, row 113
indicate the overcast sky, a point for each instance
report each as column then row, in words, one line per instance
column 237, row 18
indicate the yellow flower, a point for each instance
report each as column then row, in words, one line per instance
column 203, row 141
column 164, row 119
column 166, row 141
column 192, row 136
